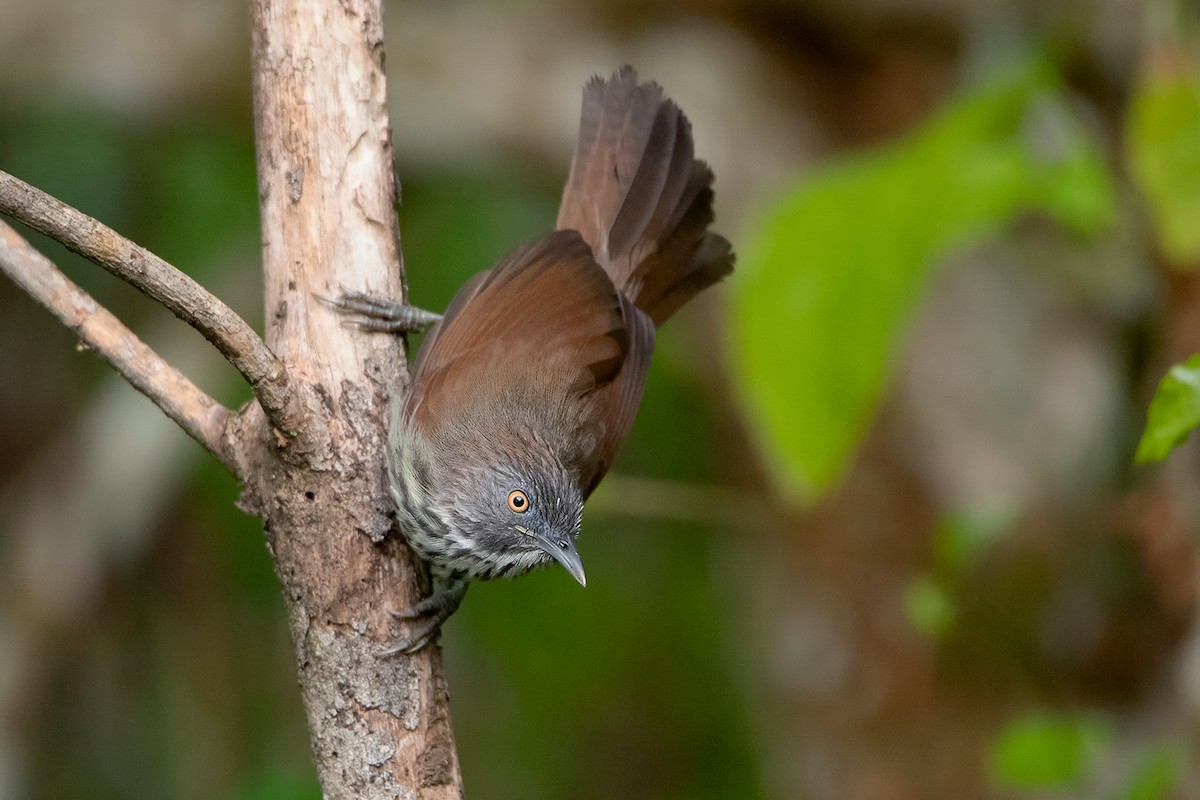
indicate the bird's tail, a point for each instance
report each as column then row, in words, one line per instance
column 640, row 198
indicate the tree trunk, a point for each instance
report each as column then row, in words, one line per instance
column 380, row 727
column 310, row 450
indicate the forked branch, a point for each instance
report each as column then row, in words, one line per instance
column 199, row 415
column 175, row 290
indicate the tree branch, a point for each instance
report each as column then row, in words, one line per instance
column 175, row 290
column 203, row 418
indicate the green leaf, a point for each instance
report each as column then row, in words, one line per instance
column 1164, row 157
column 830, row 276
column 1047, row 751
column 1174, row 412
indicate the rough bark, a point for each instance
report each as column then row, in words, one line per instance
column 379, row 726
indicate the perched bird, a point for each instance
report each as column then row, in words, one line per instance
column 525, row 389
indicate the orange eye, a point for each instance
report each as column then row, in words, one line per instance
column 517, row 501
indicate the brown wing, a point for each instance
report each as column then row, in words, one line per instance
column 543, row 325
column 615, row 404
column 640, row 198
column 464, row 294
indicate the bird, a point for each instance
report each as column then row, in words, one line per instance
column 525, row 388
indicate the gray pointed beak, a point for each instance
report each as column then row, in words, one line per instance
column 562, row 549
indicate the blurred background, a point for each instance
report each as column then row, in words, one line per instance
column 878, row 533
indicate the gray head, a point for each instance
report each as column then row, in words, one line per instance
column 485, row 508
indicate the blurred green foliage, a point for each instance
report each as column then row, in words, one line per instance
column 1174, row 412
column 1157, row 775
column 1164, row 156
column 959, row 543
column 276, row 785
column 834, row 270
column 929, row 607
column 1073, row 754
column 1048, row 751
column 1163, row 146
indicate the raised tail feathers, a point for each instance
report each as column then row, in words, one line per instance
column 640, row 198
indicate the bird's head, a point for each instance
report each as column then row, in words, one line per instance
column 511, row 509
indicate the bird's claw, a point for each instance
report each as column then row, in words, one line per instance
column 378, row 313
column 430, row 612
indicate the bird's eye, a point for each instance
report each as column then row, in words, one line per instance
column 517, row 501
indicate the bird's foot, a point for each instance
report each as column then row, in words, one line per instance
column 379, row 314
column 428, row 616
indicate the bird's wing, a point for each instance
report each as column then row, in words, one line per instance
column 615, row 404
column 542, row 326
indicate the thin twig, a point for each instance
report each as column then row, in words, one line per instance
column 185, row 298
column 203, row 418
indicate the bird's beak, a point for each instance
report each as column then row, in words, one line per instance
column 562, row 549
